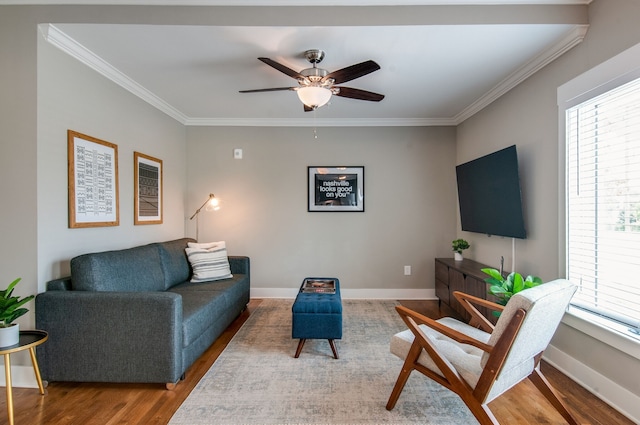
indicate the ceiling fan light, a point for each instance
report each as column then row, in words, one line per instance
column 314, row 97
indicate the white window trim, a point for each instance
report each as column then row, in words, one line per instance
column 612, row 73
column 603, row 330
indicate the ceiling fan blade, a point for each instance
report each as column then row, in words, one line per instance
column 352, row 72
column 359, row 94
column 263, row 90
column 280, row 67
column 307, row 108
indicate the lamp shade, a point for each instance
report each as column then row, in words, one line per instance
column 213, row 204
column 314, row 97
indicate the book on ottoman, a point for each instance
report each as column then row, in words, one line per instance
column 320, row 286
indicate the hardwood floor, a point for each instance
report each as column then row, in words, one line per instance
column 108, row 404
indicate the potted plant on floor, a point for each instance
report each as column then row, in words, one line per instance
column 504, row 288
column 458, row 246
column 10, row 309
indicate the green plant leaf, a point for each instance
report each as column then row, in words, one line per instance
column 497, row 289
column 459, row 245
column 535, row 280
column 493, row 282
column 532, row 281
column 518, row 283
column 13, row 284
column 504, row 288
column 495, row 274
column 11, row 306
column 509, row 281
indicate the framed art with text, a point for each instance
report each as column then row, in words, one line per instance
column 147, row 176
column 93, row 181
column 335, row 189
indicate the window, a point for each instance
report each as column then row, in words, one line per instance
column 603, row 204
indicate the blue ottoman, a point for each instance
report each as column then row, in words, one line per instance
column 317, row 315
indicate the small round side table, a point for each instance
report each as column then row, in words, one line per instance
column 29, row 340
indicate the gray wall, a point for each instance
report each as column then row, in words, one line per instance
column 72, row 96
column 528, row 116
column 37, row 106
column 409, row 213
column 18, row 162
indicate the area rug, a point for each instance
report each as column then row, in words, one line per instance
column 257, row 380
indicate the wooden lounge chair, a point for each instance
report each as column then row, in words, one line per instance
column 477, row 361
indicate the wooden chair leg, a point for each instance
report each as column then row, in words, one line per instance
column 481, row 411
column 550, row 394
column 407, row 368
column 398, row 387
column 333, row 348
column 299, row 349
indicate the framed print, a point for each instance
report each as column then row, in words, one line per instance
column 335, row 189
column 93, row 181
column 147, row 203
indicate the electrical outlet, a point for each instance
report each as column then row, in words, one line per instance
column 407, row 270
column 237, row 153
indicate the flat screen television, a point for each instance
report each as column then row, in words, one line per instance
column 489, row 195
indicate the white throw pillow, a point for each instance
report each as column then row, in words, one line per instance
column 211, row 263
column 207, row 245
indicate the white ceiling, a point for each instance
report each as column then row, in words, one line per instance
column 437, row 73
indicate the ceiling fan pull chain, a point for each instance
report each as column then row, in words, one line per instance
column 315, row 127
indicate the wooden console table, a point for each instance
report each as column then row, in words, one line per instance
column 464, row 276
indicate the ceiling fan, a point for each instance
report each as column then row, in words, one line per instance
column 317, row 85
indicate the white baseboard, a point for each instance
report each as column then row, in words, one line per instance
column 621, row 399
column 354, row 294
column 21, row 377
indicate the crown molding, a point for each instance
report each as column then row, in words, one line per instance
column 76, row 50
column 572, row 38
column 320, row 122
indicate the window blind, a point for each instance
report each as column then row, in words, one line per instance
column 603, row 204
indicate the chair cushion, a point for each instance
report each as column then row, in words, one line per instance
column 464, row 358
column 545, row 305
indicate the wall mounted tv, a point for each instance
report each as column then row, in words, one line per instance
column 489, row 195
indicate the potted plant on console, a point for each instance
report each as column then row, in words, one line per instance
column 458, row 246
column 504, row 288
column 10, row 309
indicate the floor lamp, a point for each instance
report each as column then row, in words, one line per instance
column 212, row 204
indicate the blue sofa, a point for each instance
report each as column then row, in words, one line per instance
column 133, row 315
